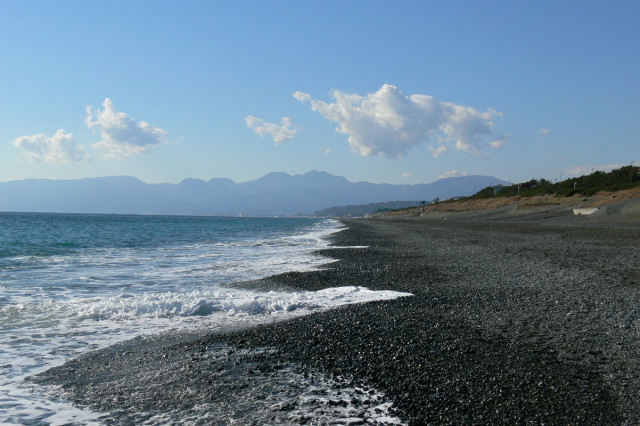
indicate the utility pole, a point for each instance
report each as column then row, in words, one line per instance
column 630, row 170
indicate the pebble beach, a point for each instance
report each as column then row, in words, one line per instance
column 510, row 322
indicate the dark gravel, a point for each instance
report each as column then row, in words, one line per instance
column 510, row 323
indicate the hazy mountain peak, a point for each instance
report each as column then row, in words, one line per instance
column 319, row 177
column 276, row 193
column 222, row 181
column 192, row 181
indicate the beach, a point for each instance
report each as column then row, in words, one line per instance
column 510, row 321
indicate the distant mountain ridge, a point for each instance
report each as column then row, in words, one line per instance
column 271, row 195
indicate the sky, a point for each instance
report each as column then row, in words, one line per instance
column 378, row 91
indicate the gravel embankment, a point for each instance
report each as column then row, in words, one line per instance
column 510, row 323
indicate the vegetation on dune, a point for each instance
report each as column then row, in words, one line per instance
column 619, row 179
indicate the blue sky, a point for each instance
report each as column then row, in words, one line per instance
column 378, row 91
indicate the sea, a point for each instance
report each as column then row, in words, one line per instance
column 75, row 283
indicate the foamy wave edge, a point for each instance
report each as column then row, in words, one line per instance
column 232, row 302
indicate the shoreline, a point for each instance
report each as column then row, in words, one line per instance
column 533, row 322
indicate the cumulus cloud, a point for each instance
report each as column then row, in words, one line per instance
column 60, row 148
column 452, row 173
column 284, row 131
column 406, row 175
column 544, row 132
column 388, row 123
column 437, row 152
column 121, row 135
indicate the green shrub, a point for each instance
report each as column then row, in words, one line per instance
column 619, row 179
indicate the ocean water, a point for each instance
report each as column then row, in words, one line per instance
column 70, row 284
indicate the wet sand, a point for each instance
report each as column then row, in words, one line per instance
column 520, row 321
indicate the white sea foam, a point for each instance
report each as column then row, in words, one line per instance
column 93, row 324
column 230, row 301
column 169, row 305
column 281, row 396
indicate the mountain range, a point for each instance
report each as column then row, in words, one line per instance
column 274, row 194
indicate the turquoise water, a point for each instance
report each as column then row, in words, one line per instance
column 53, row 257
column 70, row 284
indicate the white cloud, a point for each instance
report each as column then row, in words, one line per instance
column 280, row 133
column 452, row 173
column 60, row 148
column 437, row 152
column 406, row 175
column 388, row 123
column 544, row 132
column 121, row 135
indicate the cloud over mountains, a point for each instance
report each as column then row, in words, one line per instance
column 61, row 148
column 389, row 123
column 121, row 136
column 284, row 131
column 385, row 123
